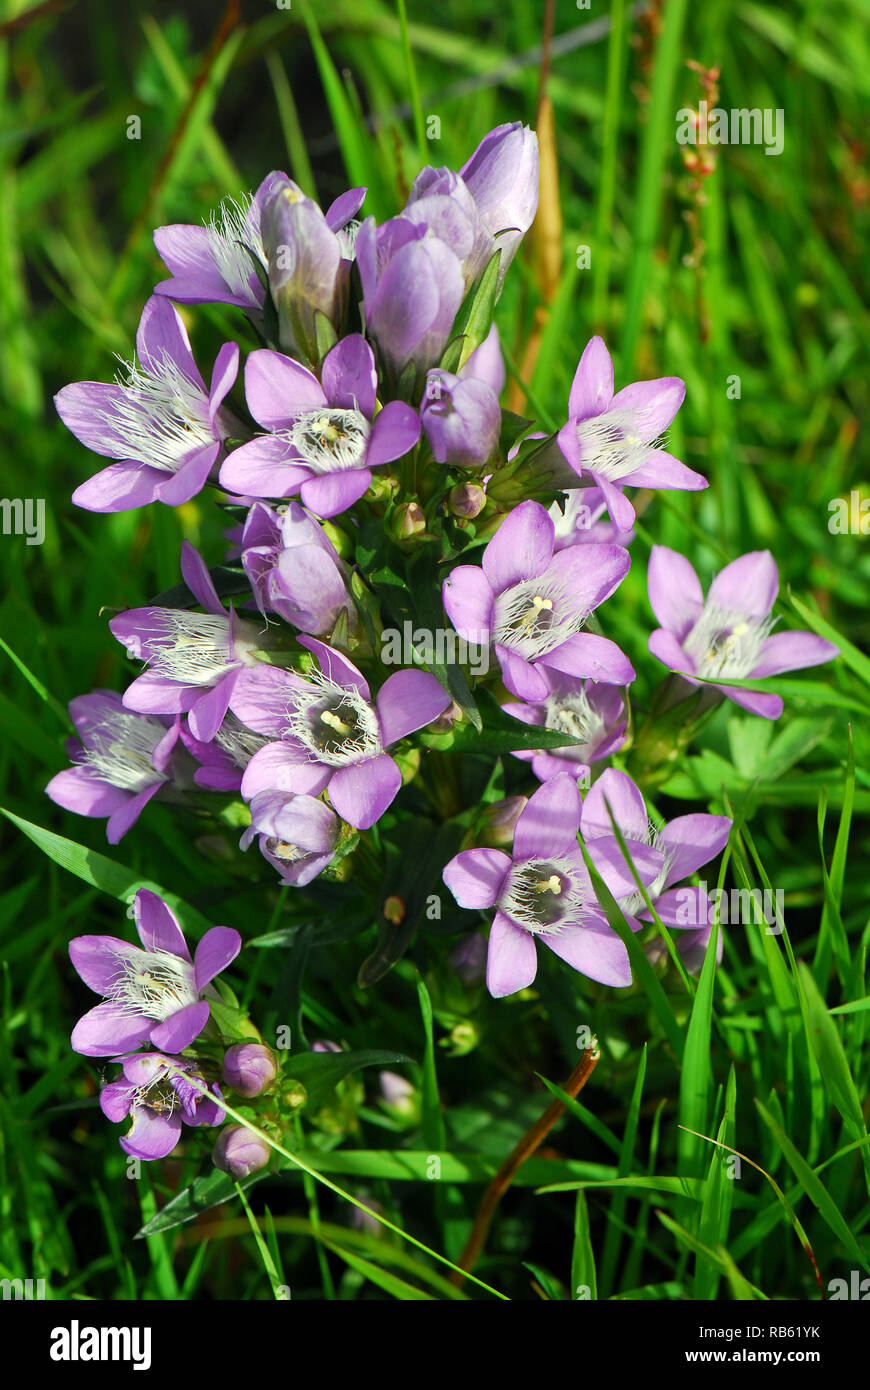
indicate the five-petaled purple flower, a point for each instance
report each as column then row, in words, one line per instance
column 151, row 993
column 328, row 733
column 165, row 427
column 324, row 439
column 194, row 658
column 591, row 712
column 544, row 892
column 531, row 604
column 158, row 1092
column 122, row 761
column 729, row 633
column 614, row 438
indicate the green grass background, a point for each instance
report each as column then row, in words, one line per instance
column 754, row 1057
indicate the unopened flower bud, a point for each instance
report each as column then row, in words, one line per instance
column 249, row 1068
column 466, row 499
column 409, row 520
column 468, row 958
column 398, row 1093
column 462, row 419
column 499, row 820
column 239, row 1152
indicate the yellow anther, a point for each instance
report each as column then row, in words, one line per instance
column 327, row 717
column 553, row 884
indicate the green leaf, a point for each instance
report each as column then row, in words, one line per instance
column 320, row 1072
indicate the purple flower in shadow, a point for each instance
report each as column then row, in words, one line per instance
column 151, row 993
column 324, row 439
column 157, row 1099
column 530, row 604
column 543, row 892
column 165, row 427
column 586, row 710
column 121, row 762
column 328, row 733
column 729, row 632
column 614, row 438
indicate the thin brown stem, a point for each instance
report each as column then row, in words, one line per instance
column 531, row 1140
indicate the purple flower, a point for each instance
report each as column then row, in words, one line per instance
column 239, row 1152
column 308, row 259
column 440, row 203
column 216, row 264
column 502, row 177
column 122, row 761
column 158, row 1100
column 462, row 419
column 249, row 1068
column 614, row 438
column 294, row 569
column 531, row 604
column 686, row 844
column 578, row 520
column 413, row 286
column 298, row 834
column 729, row 633
column 224, row 759
column 324, row 439
column 154, row 992
column 328, row 733
column 162, row 424
column 593, row 713
column 194, row 658
column 544, row 892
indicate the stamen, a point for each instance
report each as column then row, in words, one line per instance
column 192, row 647
column 724, row 643
column 543, row 897
column 615, row 444
column 160, row 417
column 330, row 441
column 153, row 984
column 337, row 725
column 536, row 616
column 234, row 227
column 120, row 749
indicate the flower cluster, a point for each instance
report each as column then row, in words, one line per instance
column 369, row 472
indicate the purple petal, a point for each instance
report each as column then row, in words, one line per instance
column 606, row 853
column 116, row 1099
column 98, row 960
column 666, row 647
column 162, row 333
column 277, row 389
column 262, row 699
column 151, row 1136
column 349, row 378
column 158, row 926
column 652, row 403
column 620, row 509
column 335, row 666
column 120, row 487
column 126, row 815
column 78, row 789
column 511, row 959
column 550, row 819
column 476, row 876
column 194, row 572
column 217, row 949
column 332, row 493
column 747, row 586
column 591, row 572
column 675, row 592
column 285, row 767
column 345, row 207
column 588, row 655
column 207, row 715
column 690, row 841
column 520, row 677
column 107, row 1030
column 263, row 468
column 178, row 1031
column 661, row 469
column 468, row 602
column 521, row 548
column 395, row 431
column 626, row 803
column 592, row 388
column 407, row 701
column 597, row 953
column 224, row 373
column 361, row 793
column 790, row 651
column 763, row 703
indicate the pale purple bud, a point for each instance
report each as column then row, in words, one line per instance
column 307, row 270
column 499, row 820
column 239, row 1152
column 502, row 177
column 466, row 499
column 462, row 419
column 249, row 1068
